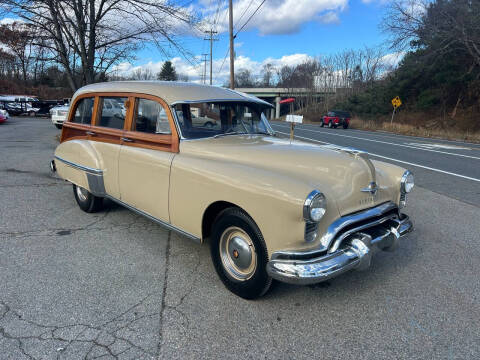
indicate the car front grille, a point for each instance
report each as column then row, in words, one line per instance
column 311, row 229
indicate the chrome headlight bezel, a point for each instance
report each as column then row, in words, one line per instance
column 407, row 182
column 312, row 202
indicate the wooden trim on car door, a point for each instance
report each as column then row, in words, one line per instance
column 72, row 130
column 163, row 142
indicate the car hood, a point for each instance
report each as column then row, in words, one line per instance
column 339, row 174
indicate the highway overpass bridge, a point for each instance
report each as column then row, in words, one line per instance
column 274, row 95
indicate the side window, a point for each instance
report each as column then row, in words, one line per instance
column 112, row 112
column 150, row 117
column 84, row 110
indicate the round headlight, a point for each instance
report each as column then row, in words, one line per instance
column 315, row 206
column 407, row 182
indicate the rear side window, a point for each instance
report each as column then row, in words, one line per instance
column 112, row 112
column 84, row 110
column 151, row 117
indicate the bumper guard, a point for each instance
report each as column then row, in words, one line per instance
column 355, row 253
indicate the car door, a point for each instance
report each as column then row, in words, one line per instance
column 149, row 146
column 106, row 136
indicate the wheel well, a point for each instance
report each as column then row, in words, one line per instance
column 211, row 214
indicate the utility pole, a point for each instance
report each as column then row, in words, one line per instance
column 211, row 33
column 232, row 52
column 204, row 73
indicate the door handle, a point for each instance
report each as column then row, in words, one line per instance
column 126, row 139
column 91, row 133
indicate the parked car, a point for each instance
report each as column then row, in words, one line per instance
column 20, row 104
column 336, row 118
column 269, row 208
column 5, row 113
column 59, row 115
column 3, row 118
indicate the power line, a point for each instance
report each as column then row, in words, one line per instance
column 223, row 62
column 243, row 13
column 246, row 22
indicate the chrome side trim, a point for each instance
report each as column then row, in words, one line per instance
column 154, row 219
column 80, row 167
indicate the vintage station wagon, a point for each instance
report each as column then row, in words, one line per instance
column 269, row 207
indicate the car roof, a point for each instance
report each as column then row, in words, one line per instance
column 170, row 91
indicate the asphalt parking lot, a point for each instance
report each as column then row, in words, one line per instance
column 116, row 285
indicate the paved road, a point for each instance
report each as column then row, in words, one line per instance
column 115, row 285
column 451, row 168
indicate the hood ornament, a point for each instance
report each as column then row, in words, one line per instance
column 372, row 188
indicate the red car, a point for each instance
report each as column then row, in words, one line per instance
column 3, row 118
column 336, row 118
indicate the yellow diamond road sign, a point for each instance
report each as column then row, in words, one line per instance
column 396, row 102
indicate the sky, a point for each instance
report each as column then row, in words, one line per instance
column 281, row 32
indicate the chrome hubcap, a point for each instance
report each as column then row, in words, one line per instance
column 82, row 193
column 238, row 255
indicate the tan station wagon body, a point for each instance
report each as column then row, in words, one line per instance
column 185, row 183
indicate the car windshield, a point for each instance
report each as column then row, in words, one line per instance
column 215, row 119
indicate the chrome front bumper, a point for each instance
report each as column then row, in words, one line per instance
column 355, row 252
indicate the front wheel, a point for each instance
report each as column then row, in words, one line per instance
column 86, row 200
column 330, row 124
column 239, row 254
column 345, row 125
column 58, row 126
column 32, row 113
column 322, row 124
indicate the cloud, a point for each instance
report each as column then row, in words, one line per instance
column 221, row 68
column 274, row 16
column 6, row 21
column 392, row 59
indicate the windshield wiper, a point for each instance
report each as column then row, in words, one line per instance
column 228, row 133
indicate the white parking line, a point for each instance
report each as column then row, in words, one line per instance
column 390, row 143
column 396, row 160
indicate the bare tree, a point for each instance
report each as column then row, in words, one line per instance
column 244, row 79
column 17, row 38
column 142, row 74
column 89, row 36
column 402, row 21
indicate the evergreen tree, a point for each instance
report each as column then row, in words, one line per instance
column 168, row 72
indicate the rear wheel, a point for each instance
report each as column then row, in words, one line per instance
column 322, row 124
column 86, row 200
column 345, row 125
column 32, row 113
column 330, row 124
column 239, row 254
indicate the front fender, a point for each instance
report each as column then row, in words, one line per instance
column 274, row 200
